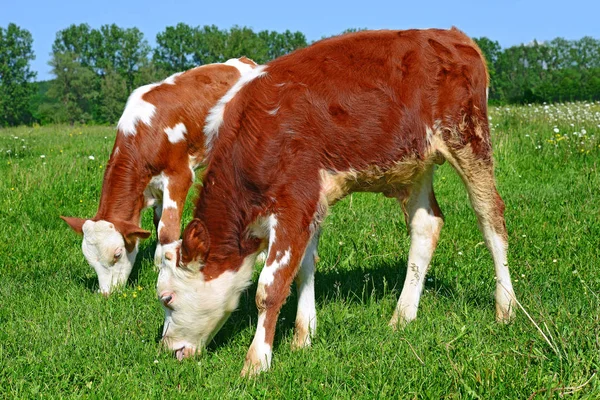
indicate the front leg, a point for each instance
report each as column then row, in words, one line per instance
column 175, row 189
column 157, row 211
column 287, row 243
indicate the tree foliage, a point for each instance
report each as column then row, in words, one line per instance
column 558, row 70
column 182, row 47
column 15, row 75
column 95, row 69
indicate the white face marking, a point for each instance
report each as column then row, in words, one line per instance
column 177, row 133
column 273, row 111
column 171, row 79
column 101, row 243
column 214, row 119
column 136, row 110
column 199, row 307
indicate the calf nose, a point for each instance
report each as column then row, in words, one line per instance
column 166, row 299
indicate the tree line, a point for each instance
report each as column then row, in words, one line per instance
column 95, row 69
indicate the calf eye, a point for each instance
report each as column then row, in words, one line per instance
column 118, row 254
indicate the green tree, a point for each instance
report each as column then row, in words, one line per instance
column 78, row 40
column 113, row 90
column 278, row 44
column 491, row 50
column 15, row 75
column 95, row 70
column 73, row 88
column 210, row 45
column 119, row 50
column 175, row 48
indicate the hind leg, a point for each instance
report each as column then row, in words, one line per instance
column 424, row 220
column 306, row 316
column 477, row 174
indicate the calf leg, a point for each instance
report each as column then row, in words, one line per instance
column 288, row 240
column 424, row 220
column 306, row 315
column 175, row 190
column 157, row 210
column 477, row 174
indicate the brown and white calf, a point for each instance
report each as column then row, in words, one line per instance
column 159, row 143
column 363, row 112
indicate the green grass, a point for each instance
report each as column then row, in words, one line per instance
column 59, row 338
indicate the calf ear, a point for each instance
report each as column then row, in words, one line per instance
column 195, row 242
column 131, row 232
column 75, row 223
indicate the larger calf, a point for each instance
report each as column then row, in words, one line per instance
column 370, row 111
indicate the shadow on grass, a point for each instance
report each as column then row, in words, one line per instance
column 354, row 287
column 358, row 286
column 145, row 253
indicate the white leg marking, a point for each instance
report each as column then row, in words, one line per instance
column 177, row 133
column 424, row 231
column 168, row 202
column 259, row 354
column 306, row 315
column 267, row 275
column 504, row 289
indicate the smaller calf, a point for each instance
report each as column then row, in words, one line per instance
column 159, row 144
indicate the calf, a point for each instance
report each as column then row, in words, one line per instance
column 159, row 143
column 363, row 112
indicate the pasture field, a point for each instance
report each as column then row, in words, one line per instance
column 60, row 339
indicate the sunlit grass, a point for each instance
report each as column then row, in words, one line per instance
column 59, row 338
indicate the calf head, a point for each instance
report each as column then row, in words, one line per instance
column 109, row 247
column 197, row 303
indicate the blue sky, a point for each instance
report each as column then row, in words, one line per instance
column 510, row 22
